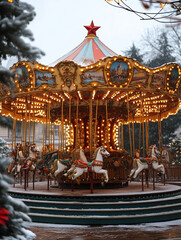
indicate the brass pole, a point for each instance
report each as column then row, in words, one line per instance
column 15, row 132
column 147, row 131
column 160, row 133
column 147, row 135
column 46, row 126
column 34, row 121
column 140, row 137
column 122, row 136
column 65, row 138
column 143, row 138
column 59, row 131
column 22, row 132
column 140, row 123
column 49, row 125
column 90, row 127
column 43, row 136
column 95, row 130
column 69, row 132
column 143, row 128
column 119, row 136
column 130, row 141
column 161, row 142
column 77, row 122
column 133, row 139
column 53, row 136
column 25, row 126
column 62, row 126
column 29, row 127
column 107, row 128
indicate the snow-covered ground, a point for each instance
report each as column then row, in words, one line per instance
column 149, row 231
column 157, row 226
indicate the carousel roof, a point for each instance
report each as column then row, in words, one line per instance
column 89, row 51
column 130, row 90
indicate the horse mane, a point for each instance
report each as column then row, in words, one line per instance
column 95, row 153
column 82, row 156
column 75, row 154
column 149, row 150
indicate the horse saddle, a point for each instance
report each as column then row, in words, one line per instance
column 81, row 164
column 66, row 162
column 144, row 161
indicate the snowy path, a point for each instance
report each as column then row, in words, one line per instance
column 149, row 231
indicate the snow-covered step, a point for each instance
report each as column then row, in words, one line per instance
column 102, row 212
column 98, row 209
column 103, row 220
column 103, row 205
column 111, row 197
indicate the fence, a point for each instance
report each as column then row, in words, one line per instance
column 174, row 172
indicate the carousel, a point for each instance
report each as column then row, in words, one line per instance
column 83, row 101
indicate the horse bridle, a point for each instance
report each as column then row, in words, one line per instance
column 103, row 150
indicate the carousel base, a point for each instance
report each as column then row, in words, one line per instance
column 128, row 205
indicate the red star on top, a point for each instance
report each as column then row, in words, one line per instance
column 92, row 29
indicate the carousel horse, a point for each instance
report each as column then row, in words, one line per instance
column 61, row 165
column 75, row 158
column 32, row 151
column 47, row 162
column 140, row 164
column 31, row 159
column 11, row 166
column 19, row 160
column 94, row 166
column 165, row 160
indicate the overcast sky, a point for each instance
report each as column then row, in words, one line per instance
column 58, row 25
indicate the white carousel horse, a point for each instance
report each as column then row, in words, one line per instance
column 62, row 164
column 155, row 165
column 31, row 160
column 73, row 165
column 94, row 166
column 25, row 163
column 16, row 170
column 140, row 164
column 165, row 155
column 32, row 151
column 19, row 160
column 165, row 159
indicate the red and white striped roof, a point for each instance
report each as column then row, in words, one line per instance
column 89, row 51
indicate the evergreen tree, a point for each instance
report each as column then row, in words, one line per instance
column 169, row 127
column 14, row 18
column 163, row 51
column 13, row 212
column 134, row 52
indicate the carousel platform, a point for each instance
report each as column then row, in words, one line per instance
column 129, row 205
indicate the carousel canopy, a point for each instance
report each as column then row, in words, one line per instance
column 89, row 51
column 123, row 89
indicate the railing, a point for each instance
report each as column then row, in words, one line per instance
column 174, row 172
